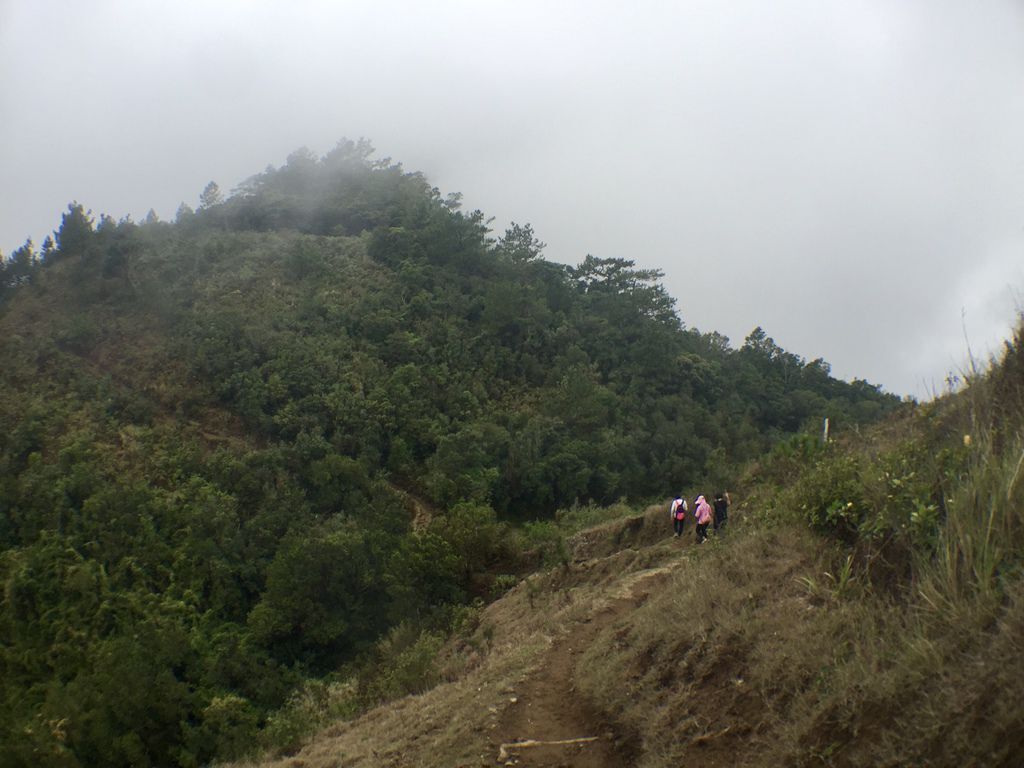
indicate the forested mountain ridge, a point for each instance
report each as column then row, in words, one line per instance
column 204, row 427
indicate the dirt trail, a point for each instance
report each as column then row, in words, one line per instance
column 548, row 709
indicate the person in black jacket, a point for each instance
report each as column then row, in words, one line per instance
column 721, row 511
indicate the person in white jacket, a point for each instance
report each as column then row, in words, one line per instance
column 677, row 511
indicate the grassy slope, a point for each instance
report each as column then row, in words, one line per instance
column 760, row 669
column 774, row 646
column 730, row 660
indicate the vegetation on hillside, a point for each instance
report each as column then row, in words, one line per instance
column 870, row 611
column 864, row 608
column 215, row 436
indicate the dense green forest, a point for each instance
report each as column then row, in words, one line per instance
column 237, row 448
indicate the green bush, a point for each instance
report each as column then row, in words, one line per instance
column 287, row 729
column 547, row 539
column 503, row 583
column 832, row 496
column 404, row 663
column 580, row 516
column 230, row 725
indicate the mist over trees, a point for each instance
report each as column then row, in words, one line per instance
column 214, row 434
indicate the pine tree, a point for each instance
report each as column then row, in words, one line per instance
column 210, row 197
column 75, row 230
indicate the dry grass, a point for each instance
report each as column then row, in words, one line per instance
column 739, row 662
column 693, row 668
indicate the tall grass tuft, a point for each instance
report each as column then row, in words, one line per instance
column 981, row 543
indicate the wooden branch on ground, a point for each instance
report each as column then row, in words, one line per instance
column 504, row 755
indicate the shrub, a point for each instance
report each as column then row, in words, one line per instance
column 404, row 664
column 832, row 495
column 547, row 539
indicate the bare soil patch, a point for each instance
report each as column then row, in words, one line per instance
column 550, row 723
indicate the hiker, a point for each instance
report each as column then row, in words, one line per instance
column 677, row 511
column 702, row 514
column 721, row 511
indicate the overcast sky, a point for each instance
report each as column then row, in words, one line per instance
column 847, row 175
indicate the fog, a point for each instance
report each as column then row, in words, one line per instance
column 847, row 175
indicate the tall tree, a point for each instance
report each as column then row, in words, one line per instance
column 519, row 244
column 75, row 231
column 210, row 196
column 49, row 250
column 184, row 213
column 22, row 264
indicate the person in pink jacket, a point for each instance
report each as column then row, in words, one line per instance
column 702, row 514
